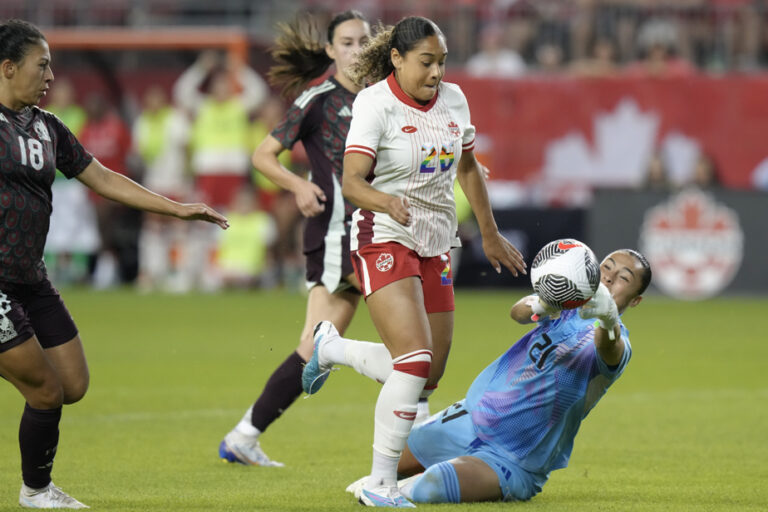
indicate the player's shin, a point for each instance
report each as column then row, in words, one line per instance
column 395, row 412
column 38, row 438
column 369, row 359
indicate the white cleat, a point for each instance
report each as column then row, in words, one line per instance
column 384, row 497
column 246, row 450
column 356, row 487
column 405, row 485
column 49, row 496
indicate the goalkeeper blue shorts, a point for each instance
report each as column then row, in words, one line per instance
column 450, row 434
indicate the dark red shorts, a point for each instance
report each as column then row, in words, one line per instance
column 219, row 190
column 28, row 310
column 377, row 265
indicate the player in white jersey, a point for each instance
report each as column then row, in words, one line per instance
column 417, row 131
column 521, row 414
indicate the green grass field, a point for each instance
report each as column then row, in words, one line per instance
column 685, row 428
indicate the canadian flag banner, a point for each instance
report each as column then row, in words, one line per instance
column 604, row 132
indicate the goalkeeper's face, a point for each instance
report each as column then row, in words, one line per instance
column 622, row 274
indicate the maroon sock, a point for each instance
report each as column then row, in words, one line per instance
column 38, row 439
column 282, row 388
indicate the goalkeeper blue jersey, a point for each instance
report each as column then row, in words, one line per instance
column 529, row 403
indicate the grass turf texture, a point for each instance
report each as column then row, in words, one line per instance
column 686, row 427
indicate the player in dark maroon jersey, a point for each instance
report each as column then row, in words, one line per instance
column 319, row 118
column 40, row 350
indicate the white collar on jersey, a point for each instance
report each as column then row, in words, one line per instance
column 402, row 96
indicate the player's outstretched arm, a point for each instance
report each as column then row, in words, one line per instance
column 118, row 188
column 309, row 197
column 359, row 192
column 498, row 249
column 608, row 340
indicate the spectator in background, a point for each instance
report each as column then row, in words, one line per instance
column 657, row 177
column 243, row 256
column 160, row 135
column 64, row 105
column 601, row 62
column 705, row 172
column 658, row 42
column 108, row 138
column 549, row 58
column 219, row 144
column 493, row 58
column 73, row 239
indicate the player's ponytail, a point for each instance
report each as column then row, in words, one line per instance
column 374, row 63
column 375, row 60
column 299, row 52
column 16, row 36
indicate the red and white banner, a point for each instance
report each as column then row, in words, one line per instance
column 605, row 131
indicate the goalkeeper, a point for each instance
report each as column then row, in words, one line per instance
column 521, row 414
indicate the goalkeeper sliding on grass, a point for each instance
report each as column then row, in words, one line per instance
column 521, row 414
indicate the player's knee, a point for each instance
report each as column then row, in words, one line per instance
column 49, row 394
column 438, row 484
column 75, row 391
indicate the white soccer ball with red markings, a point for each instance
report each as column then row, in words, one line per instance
column 565, row 273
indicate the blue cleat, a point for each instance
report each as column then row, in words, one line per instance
column 315, row 374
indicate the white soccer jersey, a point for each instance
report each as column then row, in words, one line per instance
column 416, row 149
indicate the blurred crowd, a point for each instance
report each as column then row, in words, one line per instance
column 192, row 143
column 605, row 37
column 506, row 37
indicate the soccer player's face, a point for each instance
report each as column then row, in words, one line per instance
column 32, row 76
column 420, row 70
column 622, row 274
column 348, row 38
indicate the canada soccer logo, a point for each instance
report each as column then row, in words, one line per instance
column 454, row 129
column 384, row 262
column 694, row 244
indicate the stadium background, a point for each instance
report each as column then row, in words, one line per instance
column 574, row 140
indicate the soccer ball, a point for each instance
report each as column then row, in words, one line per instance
column 565, row 273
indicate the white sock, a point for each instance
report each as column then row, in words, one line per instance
column 369, row 359
column 245, row 427
column 333, row 351
column 381, row 470
column 395, row 412
column 422, row 412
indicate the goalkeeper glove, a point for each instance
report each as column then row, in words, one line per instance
column 603, row 308
column 540, row 308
